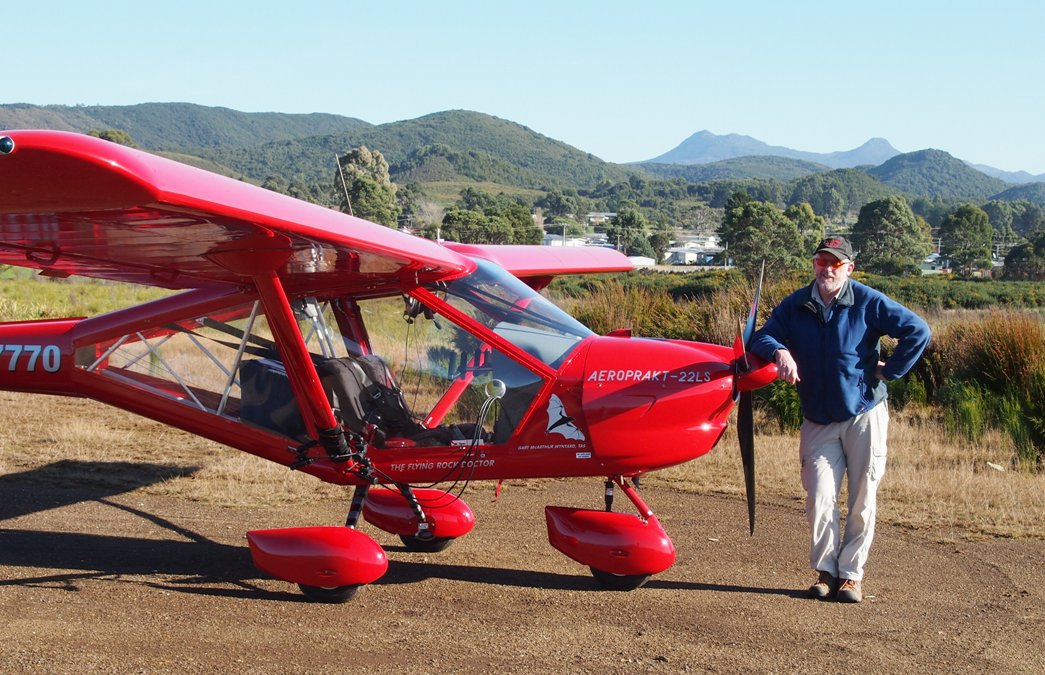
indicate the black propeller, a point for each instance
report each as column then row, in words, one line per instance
column 745, row 419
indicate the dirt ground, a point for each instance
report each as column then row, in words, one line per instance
column 114, row 580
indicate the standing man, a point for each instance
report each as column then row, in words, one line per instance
column 824, row 339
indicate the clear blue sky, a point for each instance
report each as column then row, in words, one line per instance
column 625, row 81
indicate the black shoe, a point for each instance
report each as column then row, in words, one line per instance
column 825, row 587
column 850, row 591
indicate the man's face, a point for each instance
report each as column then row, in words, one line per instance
column 831, row 273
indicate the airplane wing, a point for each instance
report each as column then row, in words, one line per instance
column 73, row 204
column 537, row 265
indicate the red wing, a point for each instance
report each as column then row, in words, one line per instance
column 537, row 265
column 73, row 204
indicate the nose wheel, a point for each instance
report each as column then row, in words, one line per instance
column 618, row 582
column 425, row 544
column 329, row 594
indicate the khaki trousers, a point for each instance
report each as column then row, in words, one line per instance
column 855, row 448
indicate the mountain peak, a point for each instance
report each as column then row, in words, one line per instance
column 705, row 147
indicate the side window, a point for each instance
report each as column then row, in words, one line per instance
column 446, row 374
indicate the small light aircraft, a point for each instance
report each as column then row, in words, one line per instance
column 363, row 356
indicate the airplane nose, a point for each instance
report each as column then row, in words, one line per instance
column 654, row 403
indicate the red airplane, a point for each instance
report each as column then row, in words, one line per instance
column 358, row 354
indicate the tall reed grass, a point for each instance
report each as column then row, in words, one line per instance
column 990, row 373
column 983, row 371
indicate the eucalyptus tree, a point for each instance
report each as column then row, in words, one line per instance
column 754, row 232
column 811, row 226
column 469, row 226
column 966, row 236
column 629, row 230
column 1026, row 261
column 890, row 238
column 114, row 136
column 368, row 191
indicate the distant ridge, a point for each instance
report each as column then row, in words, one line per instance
column 1018, row 177
column 705, row 147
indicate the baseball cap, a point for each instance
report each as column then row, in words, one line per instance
column 837, row 246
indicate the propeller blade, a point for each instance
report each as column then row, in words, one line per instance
column 746, row 436
column 749, row 327
column 745, row 417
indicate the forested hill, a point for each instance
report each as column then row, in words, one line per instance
column 754, row 166
column 466, row 147
column 472, row 142
column 935, row 173
column 1032, row 192
column 177, row 126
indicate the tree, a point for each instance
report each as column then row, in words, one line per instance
column 1000, row 214
column 114, row 136
column 811, row 226
column 503, row 214
column 371, row 192
column 757, row 231
column 629, row 231
column 472, row 227
column 297, row 189
column 1027, row 217
column 660, row 240
column 562, row 203
column 890, row 238
column 1026, row 261
column 966, row 236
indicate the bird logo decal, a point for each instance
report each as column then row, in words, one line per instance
column 559, row 422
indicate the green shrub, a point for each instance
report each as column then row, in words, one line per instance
column 964, row 412
column 782, row 400
column 907, row 391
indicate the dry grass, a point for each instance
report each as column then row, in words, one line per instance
column 75, row 442
column 931, row 483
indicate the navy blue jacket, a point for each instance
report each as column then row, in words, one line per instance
column 837, row 357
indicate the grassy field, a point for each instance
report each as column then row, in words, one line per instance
column 958, row 488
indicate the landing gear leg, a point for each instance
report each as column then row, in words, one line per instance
column 356, row 508
column 623, row 582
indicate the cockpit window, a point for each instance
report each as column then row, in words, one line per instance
column 516, row 312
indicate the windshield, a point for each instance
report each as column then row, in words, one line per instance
column 516, row 312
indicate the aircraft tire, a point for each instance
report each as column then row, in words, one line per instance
column 618, row 582
column 417, row 544
column 329, row 595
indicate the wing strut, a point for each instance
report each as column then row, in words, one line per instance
column 301, row 371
